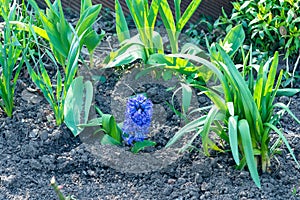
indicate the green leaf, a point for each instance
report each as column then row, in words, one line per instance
column 284, row 140
column 167, row 75
column 132, row 53
column 187, row 14
column 92, row 122
column 193, row 49
column 177, row 10
column 92, row 40
column 111, row 127
column 72, row 62
column 207, row 127
column 87, row 19
column 250, row 109
column 85, row 4
column 236, row 37
column 271, row 76
column 186, row 97
column 244, row 131
column 287, row 92
column 25, row 27
column 169, row 23
column 76, row 110
column 154, row 8
column 230, row 108
column 259, row 86
column 108, row 140
column 286, row 108
column 157, row 42
column 191, row 126
column 138, row 146
column 121, row 23
column 233, row 138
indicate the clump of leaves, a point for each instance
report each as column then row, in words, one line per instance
column 11, row 58
column 270, row 25
column 148, row 43
column 243, row 112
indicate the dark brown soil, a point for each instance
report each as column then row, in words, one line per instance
column 33, row 150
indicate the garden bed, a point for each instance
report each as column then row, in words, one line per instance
column 34, row 150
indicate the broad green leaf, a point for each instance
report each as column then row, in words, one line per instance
column 230, row 108
column 233, row 138
column 132, row 53
column 85, row 4
column 259, row 86
column 59, row 86
column 193, row 49
column 244, row 131
column 167, row 75
column 137, row 9
column 92, row 122
column 76, row 110
column 121, row 24
column 273, row 95
column 92, row 40
column 88, row 99
column 111, row 127
column 72, row 62
column 177, row 6
column 235, row 38
column 157, row 42
column 87, row 19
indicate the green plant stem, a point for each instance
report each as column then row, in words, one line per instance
column 57, row 189
column 91, row 60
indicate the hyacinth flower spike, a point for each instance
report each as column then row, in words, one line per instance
column 137, row 121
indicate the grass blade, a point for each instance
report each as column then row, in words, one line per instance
column 284, row 140
column 191, row 126
column 206, row 128
column 286, row 108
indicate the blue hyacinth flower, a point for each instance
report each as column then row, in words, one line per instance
column 137, row 121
